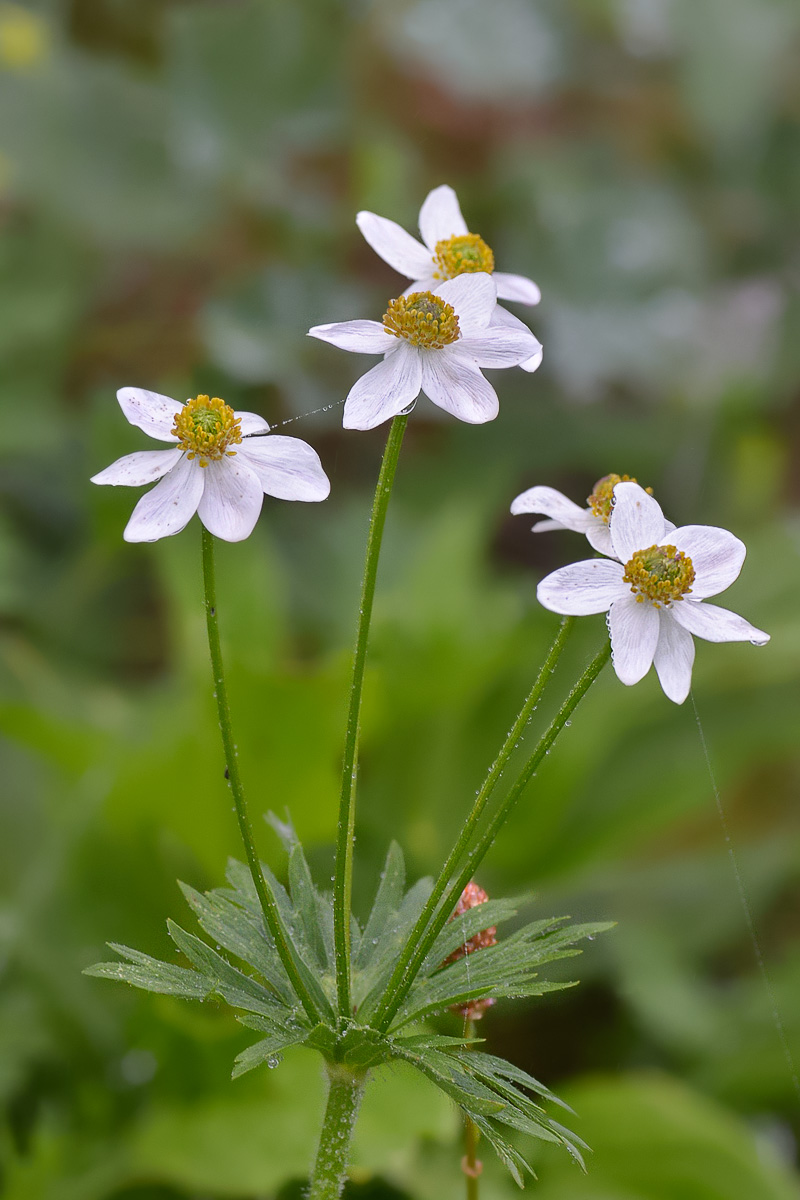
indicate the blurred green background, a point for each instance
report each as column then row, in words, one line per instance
column 178, row 182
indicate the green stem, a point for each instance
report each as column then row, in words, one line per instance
column 470, row 825
column 265, row 896
column 344, row 1099
column 343, row 877
column 471, row 1166
column 391, row 1002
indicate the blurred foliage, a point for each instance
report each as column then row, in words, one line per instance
column 178, row 182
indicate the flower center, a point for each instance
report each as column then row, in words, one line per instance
column 660, row 574
column 465, row 252
column 601, row 500
column 422, row 319
column 206, row 428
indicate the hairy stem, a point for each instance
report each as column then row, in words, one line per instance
column 391, row 1002
column 344, row 1099
column 343, row 877
column 467, row 833
column 266, row 899
column 470, row 1165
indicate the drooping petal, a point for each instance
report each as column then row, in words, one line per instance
column 456, row 385
column 598, row 535
column 360, row 337
column 583, row 588
column 534, row 362
column 634, row 636
column 716, row 624
column 637, row 521
column 474, row 299
column 396, row 247
column 498, row 347
column 251, row 423
column 440, row 217
column 150, row 411
column 516, row 287
column 674, row 657
column 286, row 467
column 145, row 466
column 385, row 390
column 553, row 504
column 232, row 499
column 169, row 507
column 716, row 555
column 501, row 316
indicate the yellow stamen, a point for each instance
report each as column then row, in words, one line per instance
column 660, row 574
column 206, row 428
column 461, row 254
column 422, row 319
column 601, row 500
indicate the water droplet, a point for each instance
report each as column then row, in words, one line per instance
column 274, row 1061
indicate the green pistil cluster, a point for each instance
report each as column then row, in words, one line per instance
column 422, row 319
column 457, row 255
column 660, row 574
column 601, row 500
column 206, row 428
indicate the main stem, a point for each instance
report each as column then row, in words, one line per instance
column 393, row 1000
column 472, row 821
column 343, row 877
column 470, row 1165
column 344, row 1099
column 266, row 899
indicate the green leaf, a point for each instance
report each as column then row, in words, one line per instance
column 388, row 899
column 240, row 990
column 369, row 982
column 266, row 1051
column 151, row 975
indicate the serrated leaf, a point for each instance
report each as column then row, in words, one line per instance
column 388, row 899
column 460, row 929
column 309, row 911
column 240, row 990
column 368, row 984
column 151, row 974
column 265, row 1050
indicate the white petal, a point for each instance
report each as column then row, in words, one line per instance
column 456, row 385
column 150, row 411
column 396, row 247
column 145, row 466
column 637, row 521
column 385, row 390
column 286, row 467
column 360, row 337
column 231, row 500
column 498, row 347
column 251, row 423
column 501, row 316
column 474, row 298
column 440, row 217
column 716, row 624
column 516, row 287
column 171, row 504
column 634, row 636
column 598, row 535
column 546, row 526
column 553, row 504
column 532, row 364
column 583, row 588
column 716, row 555
column 674, row 657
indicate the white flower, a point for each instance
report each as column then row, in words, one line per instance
column 431, row 341
column 449, row 250
column 655, row 594
column 202, row 474
column 564, row 514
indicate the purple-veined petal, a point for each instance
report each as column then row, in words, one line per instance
column 145, row 466
column 474, row 298
column 716, row 555
column 497, row 347
column 598, row 535
column 440, row 217
column 385, row 390
column 150, row 411
column 716, row 624
column 232, row 499
column 516, row 287
column 553, row 504
column 634, row 636
column 456, row 385
column 251, row 423
column 674, row 657
column 169, row 507
column 286, row 467
column 637, row 521
column 583, row 588
column 360, row 337
column 396, row 247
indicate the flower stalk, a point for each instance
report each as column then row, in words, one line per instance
column 344, row 1100
column 343, row 875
